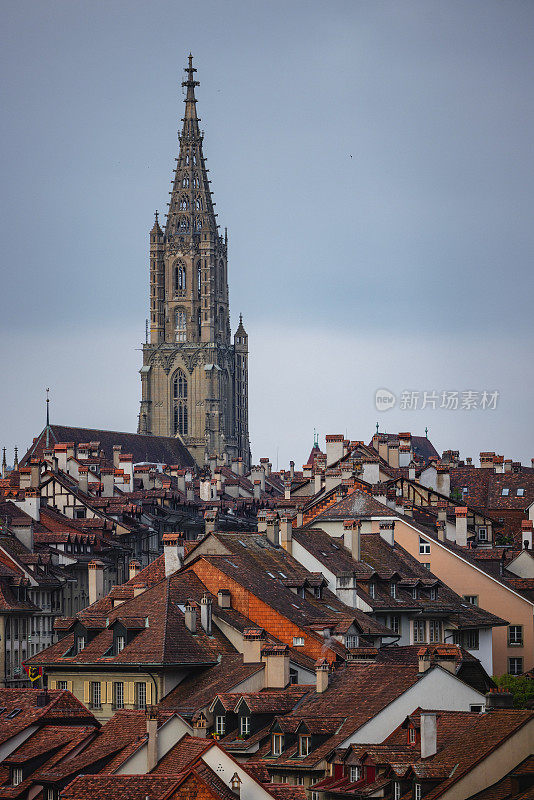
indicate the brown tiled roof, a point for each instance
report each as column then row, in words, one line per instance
column 357, row 504
column 61, row 707
column 184, row 753
column 158, row 449
column 119, row 787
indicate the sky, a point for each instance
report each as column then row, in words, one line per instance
column 373, row 162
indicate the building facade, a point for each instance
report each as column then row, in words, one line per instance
column 194, row 377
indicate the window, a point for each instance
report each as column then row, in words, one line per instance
column 299, row 780
column 433, row 593
column 424, row 546
column 417, row 794
column 351, row 641
column 220, row 725
column 80, row 643
column 396, row 790
column 179, row 279
column 315, row 796
column 278, row 744
column 354, row 774
column 16, row 776
column 472, row 599
column 61, row 685
column 483, row 534
column 185, row 182
column 419, row 634
column 372, row 590
column 412, row 735
column 304, row 746
column 244, row 726
column 180, row 325
column 505, row 492
column 140, row 695
column 520, row 493
column 199, row 280
column 184, row 203
column 476, row 709
column 470, row 639
column 96, row 698
column 180, row 403
column 434, row 627
column 414, row 592
column 393, row 589
column 395, row 624
column 14, row 713
column 515, row 666
column 121, row 642
column 118, row 694
column 515, row 635
column 298, row 641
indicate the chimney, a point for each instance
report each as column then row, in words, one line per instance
column 210, row 521
column 205, row 614
column 96, row 581
column 393, row 454
column 173, row 548
column 429, row 734
column 498, row 698
column 291, row 469
column 441, row 505
column 300, row 517
column 257, row 490
column 189, row 491
column 423, row 658
column 355, row 540
column 191, row 616
column 273, row 530
column 234, row 466
column 83, row 479
column 276, row 660
column 411, row 471
column 152, row 734
column 134, row 569
column 286, row 534
column 383, row 448
column 267, row 466
column 224, row 598
column 334, row 448
column 235, row 784
column 440, row 527
column 35, row 474
column 387, row 532
column 322, row 669
column 526, row 533
column 461, row 525
column 253, row 640
column 287, row 488
column 107, row 480
column 116, row 456
column 318, row 481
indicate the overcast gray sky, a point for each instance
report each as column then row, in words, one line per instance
column 373, row 162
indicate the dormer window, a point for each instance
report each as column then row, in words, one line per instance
column 304, row 745
column 412, row 736
column 80, row 643
column 120, row 644
column 393, row 589
column 505, row 492
column 351, row 641
column 354, row 774
column 220, row 725
column 418, row 792
column 298, row 641
column 244, row 726
column 372, row 590
column 414, row 592
column 483, row 534
column 396, row 791
column 278, row 744
column 319, row 592
column 433, row 593
column 520, row 493
column 16, row 776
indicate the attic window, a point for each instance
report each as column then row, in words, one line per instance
column 269, row 573
column 372, row 590
column 298, row 641
column 418, row 794
column 80, row 643
column 304, row 746
column 282, row 574
column 520, row 492
column 412, row 735
column 12, row 715
column 393, row 589
column 278, row 744
column 16, row 776
column 351, row 641
column 121, row 642
column 505, row 492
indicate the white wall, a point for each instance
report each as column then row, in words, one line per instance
column 168, row 735
column 435, row 689
column 223, row 766
column 485, row 649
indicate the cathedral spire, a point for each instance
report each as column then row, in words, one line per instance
column 190, row 100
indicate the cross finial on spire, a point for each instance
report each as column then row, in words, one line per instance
column 156, row 214
column 47, row 407
column 426, row 432
column 190, row 74
column 377, row 426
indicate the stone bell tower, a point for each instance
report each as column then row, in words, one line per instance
column 194, row 379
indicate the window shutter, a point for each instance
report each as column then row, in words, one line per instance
column 53, row 684
column 110, row 691
column 86, row 694
column 131, row 693
column 148, row 693
column 69, row 686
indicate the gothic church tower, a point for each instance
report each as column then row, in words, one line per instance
column 194, row 379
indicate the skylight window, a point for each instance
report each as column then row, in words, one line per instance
column 520, row 493
column 505, row 492
column 282, row 574
column 14, row 713
column 271, row 574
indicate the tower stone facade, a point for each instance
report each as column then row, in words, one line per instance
column 194, row 378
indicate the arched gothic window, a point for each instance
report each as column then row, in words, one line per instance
column 185, row 182
column 184, row 203
column 199, row 280
column 186, row 159
column 180, row 409
column 180, row 324
column 196, row 182
column 179, row 278
column 198, row 224
column 199, row 323
column 194, row 159
column 183, row 225
column 198, row 204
